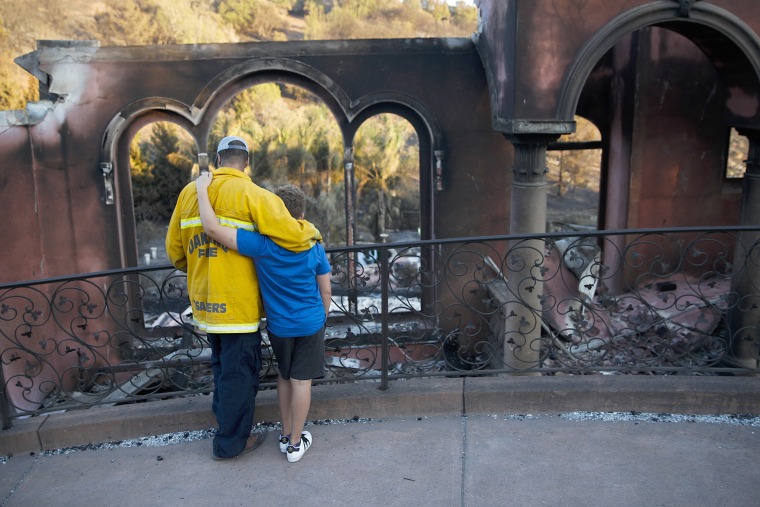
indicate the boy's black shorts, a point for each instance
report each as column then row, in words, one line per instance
column 301, row 357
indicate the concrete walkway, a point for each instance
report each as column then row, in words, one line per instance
column 427, row 453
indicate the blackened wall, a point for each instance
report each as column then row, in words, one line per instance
column 53, row 187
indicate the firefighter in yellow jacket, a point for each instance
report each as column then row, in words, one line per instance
column 223, row 288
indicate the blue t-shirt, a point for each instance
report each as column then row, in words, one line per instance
column 288, row 284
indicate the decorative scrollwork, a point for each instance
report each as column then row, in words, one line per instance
column 626, row 301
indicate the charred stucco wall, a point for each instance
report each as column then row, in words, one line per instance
column 680, row 139
column 659, row 104
column 54, row 217
column 53, row 187
column 662, row 154
column 664, row 81
column 57, row 219
column 530, row 47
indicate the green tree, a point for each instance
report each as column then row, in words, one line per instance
column 258, row 19
column 316, row 21
column 439, row 9
column 342, row 24
column 464, row 16
column 359, row 8
column 327, row 212
column 135, row 23
column 385, row 162
column 144, row 194
column 161, row 166
column 16, row 86
column 570, row 169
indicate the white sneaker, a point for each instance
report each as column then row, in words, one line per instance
column 296, row 453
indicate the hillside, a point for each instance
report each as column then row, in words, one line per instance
column 140, row 22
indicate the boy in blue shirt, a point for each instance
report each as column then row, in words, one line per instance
column 296, row 290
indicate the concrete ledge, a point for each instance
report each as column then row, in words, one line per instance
column 97, row 425
column 414, row 397
column 22, row 437
column 404, row 398
column 613, row 393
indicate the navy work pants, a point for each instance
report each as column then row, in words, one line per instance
column 235, row 362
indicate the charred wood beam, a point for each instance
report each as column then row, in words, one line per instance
column 575, row 146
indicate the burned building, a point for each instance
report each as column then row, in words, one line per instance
column 664, row 81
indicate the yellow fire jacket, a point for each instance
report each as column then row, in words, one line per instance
column 222, row 284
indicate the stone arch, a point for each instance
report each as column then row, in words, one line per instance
column 405, row 106
column 197, row 119
column 144, row 112
column 264, row 70
column 735, row 47
column 431, row 157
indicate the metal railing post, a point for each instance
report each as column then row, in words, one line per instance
column 384, row 284
column 5, row 412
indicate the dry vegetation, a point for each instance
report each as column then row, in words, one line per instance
column 140, row 22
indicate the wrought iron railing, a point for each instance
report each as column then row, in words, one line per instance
column 642, row 301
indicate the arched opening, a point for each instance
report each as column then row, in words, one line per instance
column 664, row 96
column 294, row 138
column 664, row 91
column 386, row 206
column 660, row 103
column 573, row 177
column 675, row 87
column 421, row 154
column 162, row 160
column 300, row 129
column 387, row 180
